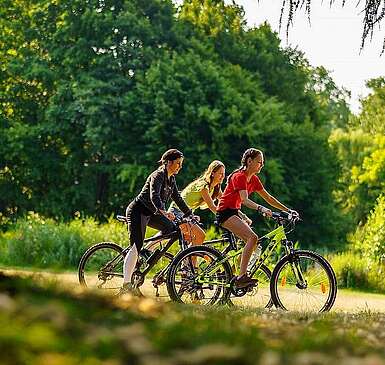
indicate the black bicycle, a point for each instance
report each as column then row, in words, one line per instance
column 101, row 266
column 302, row 280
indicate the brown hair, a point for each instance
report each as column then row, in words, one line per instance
column 249, row 153
column 170, row 155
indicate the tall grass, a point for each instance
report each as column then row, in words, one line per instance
column 43, row 243
column 356, row 272
column 43, row 324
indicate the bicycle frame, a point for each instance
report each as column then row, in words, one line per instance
column 116, row 260
column 156, row 239
column 274, row 237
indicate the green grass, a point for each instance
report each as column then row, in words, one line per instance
column 45, row 324
column 36, row 242
column 357, row 272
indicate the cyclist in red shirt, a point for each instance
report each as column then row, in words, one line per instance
column 240, row 184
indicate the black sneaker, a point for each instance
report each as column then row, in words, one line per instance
column 244, row 281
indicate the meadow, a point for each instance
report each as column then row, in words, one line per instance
column 44, row 323
column 41, row 243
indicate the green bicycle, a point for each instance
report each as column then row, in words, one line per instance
column 302, row 280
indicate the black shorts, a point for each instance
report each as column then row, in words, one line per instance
column 223, row 215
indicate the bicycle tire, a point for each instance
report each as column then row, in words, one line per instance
column 321, row 286
column 114, row 248
column 222, row 293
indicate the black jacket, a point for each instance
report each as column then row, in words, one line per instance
column 157, row 191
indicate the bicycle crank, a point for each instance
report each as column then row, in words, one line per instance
column 240, row 292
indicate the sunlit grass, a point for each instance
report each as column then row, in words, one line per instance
column 42, row 323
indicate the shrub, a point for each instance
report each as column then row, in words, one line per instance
column 369, row 240
column 40, row 242
column 356, row 272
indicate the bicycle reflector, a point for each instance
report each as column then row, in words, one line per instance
column 323, row 288
column 283, row 281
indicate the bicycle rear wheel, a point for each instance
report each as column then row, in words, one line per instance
column 304, row 281
column 101, row 267
column 198, row 275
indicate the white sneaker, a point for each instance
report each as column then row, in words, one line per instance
column 128, row 288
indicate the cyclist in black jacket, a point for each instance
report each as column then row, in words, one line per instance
column 149, row 209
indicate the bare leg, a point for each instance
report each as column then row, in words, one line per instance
column 199, row 235
column 245, row 233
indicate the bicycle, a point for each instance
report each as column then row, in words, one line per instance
column 261, row 295
column 301, row 279
column 101, row 265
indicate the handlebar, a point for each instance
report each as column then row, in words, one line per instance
column 286, row 217
column 189, row 219
column 178, row 221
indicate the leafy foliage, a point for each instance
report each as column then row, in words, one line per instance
column 93, row 93
column 44, row 243
column 369, row 239
column 357, row 271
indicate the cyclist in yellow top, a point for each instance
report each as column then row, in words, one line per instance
column 201, row 193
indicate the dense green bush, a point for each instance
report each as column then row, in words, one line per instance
column 44, row 243
column 369, row 240
column 40, row 242
column 356, row 272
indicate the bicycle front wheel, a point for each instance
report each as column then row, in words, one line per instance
column 101, row 267
column 303, row 281
column 199, row 275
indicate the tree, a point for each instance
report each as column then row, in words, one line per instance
column 374, row 14
column 95, row 91
column 372, row 116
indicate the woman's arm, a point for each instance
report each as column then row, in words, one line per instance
column 156, row 183
column 208, row 200
column 272, row 201
column 245, row 218
column 253, row 205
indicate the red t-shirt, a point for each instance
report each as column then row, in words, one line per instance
column 231, row 199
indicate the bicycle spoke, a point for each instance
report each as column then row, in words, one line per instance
column 196, row 279
column 312, row 294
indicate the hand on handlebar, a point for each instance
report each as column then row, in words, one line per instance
column 265, row 211
column 168, row 215
column 293, row 213
column 196, row 218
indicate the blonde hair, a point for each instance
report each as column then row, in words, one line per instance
column 208, row 176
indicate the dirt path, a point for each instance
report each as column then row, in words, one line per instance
column 347, row 301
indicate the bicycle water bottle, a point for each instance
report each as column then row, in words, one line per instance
column 254, row 257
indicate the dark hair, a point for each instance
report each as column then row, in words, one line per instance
column 170, row 155
column 249, row 153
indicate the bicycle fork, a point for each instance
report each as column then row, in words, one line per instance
column 295, row 266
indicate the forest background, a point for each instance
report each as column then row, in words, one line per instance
column 93, row 92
